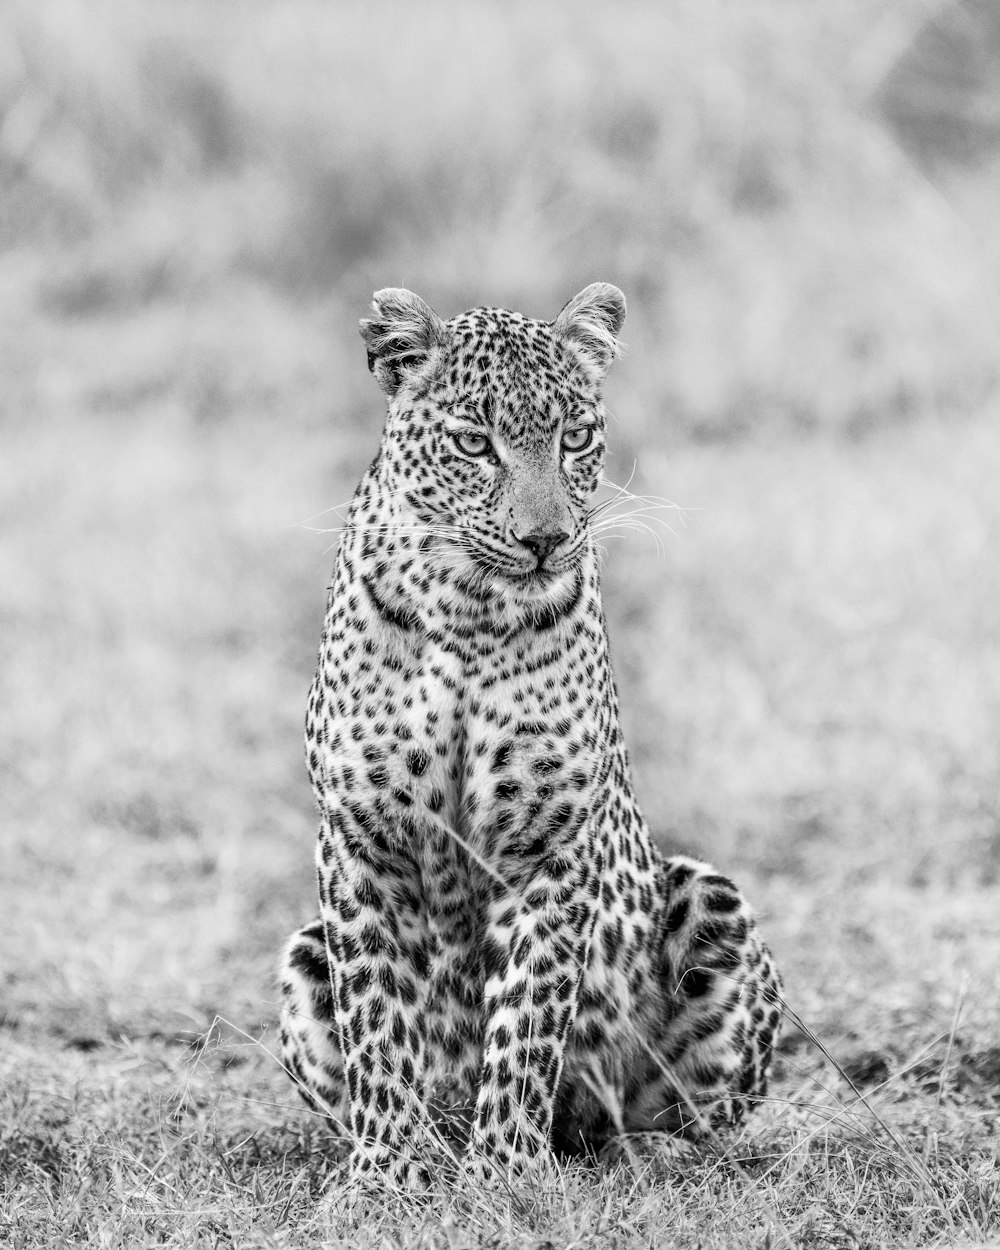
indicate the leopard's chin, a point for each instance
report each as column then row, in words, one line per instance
column 544, row 587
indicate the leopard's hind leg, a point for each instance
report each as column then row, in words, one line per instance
column 310, row 1043
column 706, row 1059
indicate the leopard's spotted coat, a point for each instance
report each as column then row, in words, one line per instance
column 499, row 939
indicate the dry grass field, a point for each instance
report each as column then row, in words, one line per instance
column 196, row 201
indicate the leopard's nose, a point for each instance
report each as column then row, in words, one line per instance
column 541, row 546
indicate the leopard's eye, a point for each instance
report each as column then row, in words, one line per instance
column 578, row 439
column 471, row 443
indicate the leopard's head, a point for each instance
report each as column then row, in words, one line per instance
column 495, row 436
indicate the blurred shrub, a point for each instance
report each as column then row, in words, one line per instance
column 731, row 167
column 942, row 95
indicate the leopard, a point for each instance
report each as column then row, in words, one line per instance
column 502, row 947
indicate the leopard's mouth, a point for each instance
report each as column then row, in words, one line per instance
column 537, row 579
column 513, row 583
column 511, row 574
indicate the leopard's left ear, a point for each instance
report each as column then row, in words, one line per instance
column 401, row 337
column 590, row 323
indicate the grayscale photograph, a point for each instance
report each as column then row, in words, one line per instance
column 500, row 601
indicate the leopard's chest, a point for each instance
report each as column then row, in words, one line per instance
column 476, row 743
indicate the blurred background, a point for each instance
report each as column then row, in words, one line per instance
column 196, row 202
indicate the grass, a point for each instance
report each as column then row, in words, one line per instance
column 194, row 212
column 146, row 1143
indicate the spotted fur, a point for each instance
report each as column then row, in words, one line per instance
column 500, row 945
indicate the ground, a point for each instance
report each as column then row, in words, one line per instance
column 806, row 646
column 828, row 750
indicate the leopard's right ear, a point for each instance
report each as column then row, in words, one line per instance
column 401, row 338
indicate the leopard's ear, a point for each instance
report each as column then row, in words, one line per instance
column 401, row 338
column 590, row 323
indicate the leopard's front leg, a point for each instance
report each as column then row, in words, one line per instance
column 378, row 956
column 535, row 948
